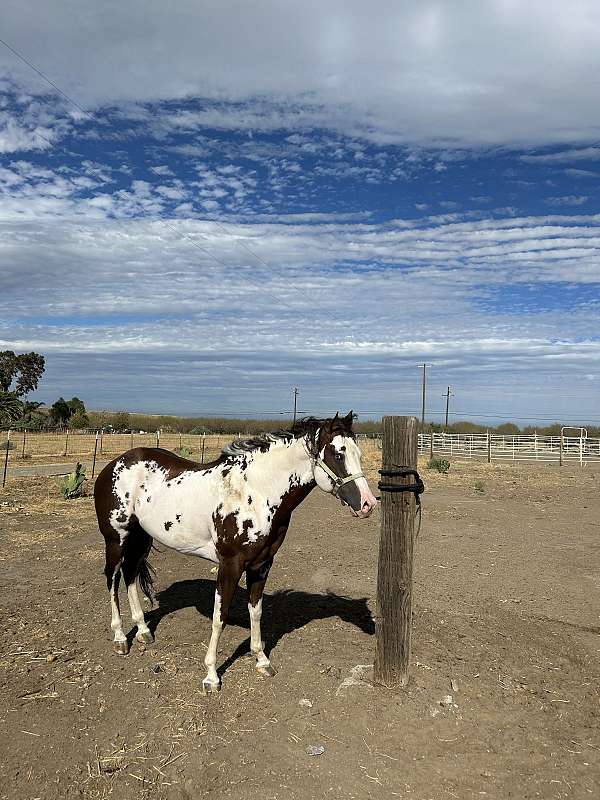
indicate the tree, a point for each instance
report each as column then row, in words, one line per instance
column 31, row 419
column 24, row 370
column 60, row 412
column 508, row 429
column 63, row 411
column 121, row 421
column 11, row 408
column 76, row 406
column 79, row 420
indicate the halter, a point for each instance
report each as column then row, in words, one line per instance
column 337, row 481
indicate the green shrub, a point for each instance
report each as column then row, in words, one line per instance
column 479, row 486
column 71, row 485
column 440, row 464
column 183, row 452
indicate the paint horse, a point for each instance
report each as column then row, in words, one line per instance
column 234, row 511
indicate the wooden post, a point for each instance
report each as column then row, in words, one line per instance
column 67, row 443
column 6, row 458
column 431, row 443
column 157, row 437
column 94, row 459
column 24, row 438
column 489, row 448
column 203, row 443
column 131, row 440
column 394, row 573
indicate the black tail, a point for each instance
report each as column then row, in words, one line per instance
column 146, row 575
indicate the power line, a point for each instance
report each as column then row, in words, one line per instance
column 47, row 79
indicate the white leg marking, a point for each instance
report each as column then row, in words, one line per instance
column 257, row 646
column 137, row 614
column 212, row 682
column 116, row 623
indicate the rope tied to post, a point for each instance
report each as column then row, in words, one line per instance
column 417, row 488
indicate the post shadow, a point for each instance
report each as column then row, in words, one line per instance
column 284, row 611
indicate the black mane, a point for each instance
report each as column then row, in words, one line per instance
column 307, row 426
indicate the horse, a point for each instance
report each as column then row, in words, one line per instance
column 234, row 511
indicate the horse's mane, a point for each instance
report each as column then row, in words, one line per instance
column 307, row 426
column 261, row 441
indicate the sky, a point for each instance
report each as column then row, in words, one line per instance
column 214, row 203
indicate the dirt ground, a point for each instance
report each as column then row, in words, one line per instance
column 503, row 700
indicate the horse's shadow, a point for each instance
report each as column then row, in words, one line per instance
column 283, row 611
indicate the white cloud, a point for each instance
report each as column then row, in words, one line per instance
column 418, row 72
column 567, row 200
column 573, row 154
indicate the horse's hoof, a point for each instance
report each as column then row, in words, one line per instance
column 144, row 638
column 267, row 671
column 208, row 687
column 121, row 648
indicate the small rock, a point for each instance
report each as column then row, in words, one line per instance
column 315, row 750
column 447, row 700
column 156, row 668
column 305, row 702
column 454, row 685
column 50, row 658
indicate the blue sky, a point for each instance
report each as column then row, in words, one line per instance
column 244, row 199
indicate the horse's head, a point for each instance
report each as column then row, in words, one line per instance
column 337, row 466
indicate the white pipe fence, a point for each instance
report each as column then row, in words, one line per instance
column 490, row 447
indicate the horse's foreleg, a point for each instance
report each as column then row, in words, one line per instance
column 227, row 579
column 255, row 581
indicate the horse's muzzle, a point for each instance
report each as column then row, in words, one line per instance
column 366, row 509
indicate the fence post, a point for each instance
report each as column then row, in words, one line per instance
column 560, row 450
column 489, row 448
column 157, row 437
column 131, row 440
column 24, row 438
column 6, row 458
column 94, row 459
column 67, row 443
column 203, row 443
column 394, row 571
column 431, row 443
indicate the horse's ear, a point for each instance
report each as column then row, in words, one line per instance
column 348, row 419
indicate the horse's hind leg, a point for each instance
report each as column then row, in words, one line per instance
column 112, row 570
column 136, row 569
column 255, row 582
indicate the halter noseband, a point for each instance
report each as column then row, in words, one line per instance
column 337, row 481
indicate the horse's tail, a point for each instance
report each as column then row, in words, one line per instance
column 146, row 573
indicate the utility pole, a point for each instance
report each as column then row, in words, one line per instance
column 448, row 395
column 296, row 392
column 424, row 368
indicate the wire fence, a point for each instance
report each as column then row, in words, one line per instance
column 25, row 445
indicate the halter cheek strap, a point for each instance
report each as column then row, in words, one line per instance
column 337, row 481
